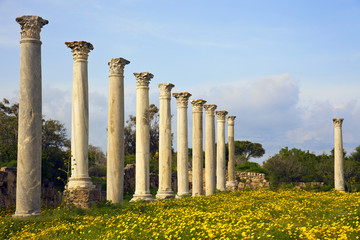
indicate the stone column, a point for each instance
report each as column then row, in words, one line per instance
column 338, row 155
column 220, row 153
column 115, row 144
column 197, row 151
column 210, row 164
column 182, row 144
column 80, row 116
column 231, row 184
column 142, row 171
column 28, row 187
column 165, row 153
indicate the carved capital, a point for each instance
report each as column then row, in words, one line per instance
column 31, row 26
column 231, row 120
column 198, row 105
column 80, row 49
column 210, row 108
column 338, row 122
column 165, row 89
column 117, row 65
column 182, row 98
column 143, row 79
column 220, row 115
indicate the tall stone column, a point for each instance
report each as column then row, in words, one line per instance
column 165, row 158
column 115, row 144
column 182, row 144
column 220, row 153
column 197, row 151
column 231, row 145
column 142, row 172
column 210, row 164
column 80, row 116
column 28, row 187
column 338, row 155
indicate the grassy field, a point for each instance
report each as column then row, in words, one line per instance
column 260, row 214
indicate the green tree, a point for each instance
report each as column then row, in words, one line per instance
column 130, row 132
column 244, row 150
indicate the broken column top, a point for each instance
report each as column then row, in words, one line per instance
column 80, row 49
column 221, row 115
column 31, row 26
column 143, row 78
column 210, row 108
column 117, row 65
column 198, row 105
column 338, row 122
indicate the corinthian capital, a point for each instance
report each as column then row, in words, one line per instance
column 182, row 98
column 165, row 89
column 231, row 120
column 117, row 65
column 31, row 26
column 338, row 122
column 198, row 105
column 143, row 78
column 220, row 115
column 210, row 108
column 80, row 49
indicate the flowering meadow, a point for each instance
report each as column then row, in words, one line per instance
column 255, row 214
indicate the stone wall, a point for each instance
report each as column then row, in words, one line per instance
column 251, row 179
column 49, row 194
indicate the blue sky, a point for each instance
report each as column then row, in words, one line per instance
column 284, row 68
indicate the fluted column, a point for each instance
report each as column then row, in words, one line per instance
column 142, row 172
column 220, row 153
column 210, row 164
column 28, row 187
column 115, row 144
column 165, row 191
column 197, row 151
column 182, row 144
column 231, row 145
column 338, row 155
column 80, row 116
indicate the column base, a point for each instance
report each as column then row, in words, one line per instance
column 82, row 197
column 182, row 195
column 80, row 182
column 231, row 185
column 341, row 189
column 26, row 214
column 164, row 195
column 142, row 197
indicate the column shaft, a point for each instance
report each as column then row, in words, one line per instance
column 115, row 147
column 197, row 154
column 232, row 184
column 165, row 152
column 338, row 155
column 210, row 164
column 182, row 144
column 80, row 116
column 142, row 173
column 28, row 187
column 220, row 154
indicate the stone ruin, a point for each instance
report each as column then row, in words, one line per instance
column 82, row 192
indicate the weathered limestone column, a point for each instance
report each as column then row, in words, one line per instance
column 338, row 155
column 28, row 187
column 197, row 151
column 220, row 153
column 115, row 144
column 182, row 144
column 231, row 145
column 80, row 116
column 142, row 174
column 210, row 164
column 165, row 158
